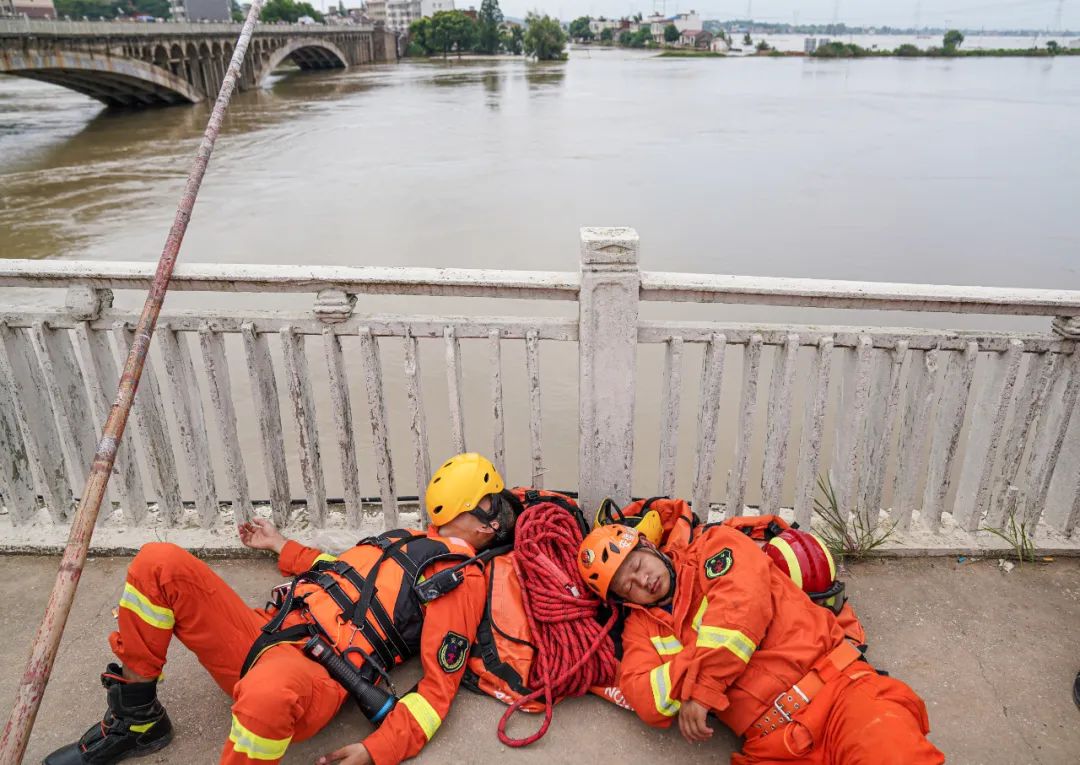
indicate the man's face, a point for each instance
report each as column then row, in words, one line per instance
column 642, row 578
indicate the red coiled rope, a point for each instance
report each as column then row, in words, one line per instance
column 573, row 650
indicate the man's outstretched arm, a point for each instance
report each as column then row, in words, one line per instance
column 293, row 557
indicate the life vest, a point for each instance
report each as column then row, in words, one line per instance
column 502, row 655
column 369, row 602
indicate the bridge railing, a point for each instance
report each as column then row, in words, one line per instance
column 47, row 27
column 935, row 433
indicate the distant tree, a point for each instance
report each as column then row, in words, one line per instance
column 159, row 9
column 763, row 47
column 288, row 10
column 641, row 38
column 625, row 37
column 671, row 33
column 579, row 28
column 452, row 31
column 608, row 34
column 544, row 38
column 953, row 39
column 237, row 12
column 91, row 9
column 747, row 40
column 512, row 41
column 907, row 50
column 487, row 27
column 1053, row 48
column 421, row 38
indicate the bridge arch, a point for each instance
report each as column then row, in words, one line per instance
column 114, row 81
column 308, row 54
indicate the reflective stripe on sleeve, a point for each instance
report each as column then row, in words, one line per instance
column 324, row 556
column 660, row 680
column 256, row 747
column 733, row 640
column 666, row 645
column 720, row 637
column 422, row 711
column 155, row 616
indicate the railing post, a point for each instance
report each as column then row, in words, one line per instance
column 607, row 363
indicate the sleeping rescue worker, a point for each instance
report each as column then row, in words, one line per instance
column 255, row 655
column 713, row 625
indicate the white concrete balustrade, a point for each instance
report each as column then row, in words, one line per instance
column 957, row 428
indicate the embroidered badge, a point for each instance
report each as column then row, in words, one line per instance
column 719, row 564
column 453, row 651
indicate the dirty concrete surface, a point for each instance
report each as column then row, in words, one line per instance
column 993, row 654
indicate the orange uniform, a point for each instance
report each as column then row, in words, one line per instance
column 739, row 635
column 286, row 696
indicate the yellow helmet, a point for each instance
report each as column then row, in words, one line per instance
column 648, row 524
column 458, row 486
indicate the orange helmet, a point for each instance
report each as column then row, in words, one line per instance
column 602, row 552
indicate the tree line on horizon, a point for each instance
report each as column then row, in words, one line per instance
column 458, row 32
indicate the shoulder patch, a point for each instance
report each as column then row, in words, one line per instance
column 719, row 564
column 453, row 651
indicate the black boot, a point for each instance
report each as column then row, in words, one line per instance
column 135, row 724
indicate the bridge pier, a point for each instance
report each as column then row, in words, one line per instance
column 124, row 64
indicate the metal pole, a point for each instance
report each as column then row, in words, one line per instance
column 43, row 651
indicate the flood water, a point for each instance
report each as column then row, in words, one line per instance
column 946, row 171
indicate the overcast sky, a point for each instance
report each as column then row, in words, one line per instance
column 993, row 14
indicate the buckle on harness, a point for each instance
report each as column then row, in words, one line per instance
column 778, row 704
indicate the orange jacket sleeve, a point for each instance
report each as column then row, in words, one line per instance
column 450, row 624
column 728, row 622
column 644, row 675
column 296, row 559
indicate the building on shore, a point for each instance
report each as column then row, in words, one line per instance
column 200, row 10
column 697, row 39
column 34, row 9
column 682, row 21
column 376, row 11
column 429, row 8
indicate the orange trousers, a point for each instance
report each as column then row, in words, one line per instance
column 284, row 697
column 859, row 718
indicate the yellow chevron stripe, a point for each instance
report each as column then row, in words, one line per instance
column 794, row 569
column 140, row 605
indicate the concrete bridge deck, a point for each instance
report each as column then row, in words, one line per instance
column 993, row 654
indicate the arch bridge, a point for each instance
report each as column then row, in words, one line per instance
column 131, row 64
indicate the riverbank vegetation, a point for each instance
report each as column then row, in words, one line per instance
column 950, row 48
column 456, row 32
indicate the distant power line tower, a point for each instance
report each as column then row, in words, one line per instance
column 835, row 12
column 918, row 15
column 749, row 10
column 1057, row 17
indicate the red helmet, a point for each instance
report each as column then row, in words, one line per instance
column 804, row 558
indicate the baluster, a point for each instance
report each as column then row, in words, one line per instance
column 669, row 415
column 217, row 374
column 268, row 408
column 813, row 429
column 303, row 402
column 712, row 377
column 948, row 421
column 736, row 497
column 417, row 420
column 778, row 425
column 373, row 381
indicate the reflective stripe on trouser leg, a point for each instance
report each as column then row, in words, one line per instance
column 246, row 745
